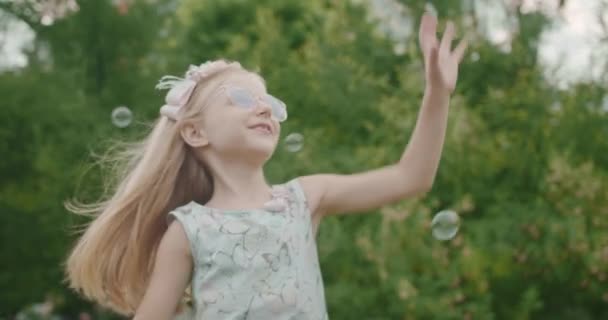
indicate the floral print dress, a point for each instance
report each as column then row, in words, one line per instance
column 255, row 264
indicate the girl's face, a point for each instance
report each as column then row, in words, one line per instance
column 235, row 130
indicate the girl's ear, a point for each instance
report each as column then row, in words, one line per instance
column 194, row 135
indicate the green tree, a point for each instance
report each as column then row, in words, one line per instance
column 524, row 164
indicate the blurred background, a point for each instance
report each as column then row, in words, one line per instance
column 525, row 163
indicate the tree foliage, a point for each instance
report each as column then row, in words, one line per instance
column 524, row 164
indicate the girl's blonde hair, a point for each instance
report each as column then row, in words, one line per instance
column 112, row 261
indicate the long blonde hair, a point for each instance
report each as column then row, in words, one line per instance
column 112, row 261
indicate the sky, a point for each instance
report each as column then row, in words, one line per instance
column 567, row 47
column 576, row 38
column 14, row 36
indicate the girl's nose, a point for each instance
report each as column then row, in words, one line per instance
column 263, row 108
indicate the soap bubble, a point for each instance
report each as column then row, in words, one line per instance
column 122, row 116
column 47, row 20
column 294, row 142
column 445, row 225
column 430, row 8
column 475, row 56
column 399, row 48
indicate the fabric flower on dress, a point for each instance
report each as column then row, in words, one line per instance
column 279, row 202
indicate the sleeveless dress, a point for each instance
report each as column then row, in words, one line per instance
column 256, row 263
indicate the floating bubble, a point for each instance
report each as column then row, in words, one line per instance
column 399, row 48
column 475, row 56
column 294, row 142
column 430, row 8
column 47, row 20
column 122, row 116
column 445, row 225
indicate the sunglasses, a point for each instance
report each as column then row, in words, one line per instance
column 243, row 98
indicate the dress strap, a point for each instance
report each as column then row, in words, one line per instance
column 299, row 197
column 297, row 190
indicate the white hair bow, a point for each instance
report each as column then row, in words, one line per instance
column 180, row 89
column 178, row 95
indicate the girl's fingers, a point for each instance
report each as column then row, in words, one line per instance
column 461, row 48
column 427, row 33
column 446, row 40
column 428, row 25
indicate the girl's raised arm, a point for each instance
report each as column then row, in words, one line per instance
column 170, row 277
column 415, row 172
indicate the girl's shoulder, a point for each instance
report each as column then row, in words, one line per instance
column 183, row 213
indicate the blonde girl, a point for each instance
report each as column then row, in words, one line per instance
column 192, row 208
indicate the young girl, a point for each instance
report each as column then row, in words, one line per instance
column 193, row 209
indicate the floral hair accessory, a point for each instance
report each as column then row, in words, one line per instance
column 180, row 89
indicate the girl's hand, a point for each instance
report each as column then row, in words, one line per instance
column 440, row 62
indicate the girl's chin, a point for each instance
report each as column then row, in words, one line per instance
column 262, row 147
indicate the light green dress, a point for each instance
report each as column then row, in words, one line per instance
column 255, row 264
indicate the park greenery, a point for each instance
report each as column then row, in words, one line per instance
column 525, row 162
